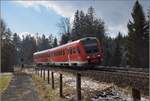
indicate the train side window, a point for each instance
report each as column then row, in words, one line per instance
column 78, row 50
column 60, row 52
column 70, row 50
column 63, row 52
column 74, row 50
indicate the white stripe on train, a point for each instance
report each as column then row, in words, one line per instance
column 72, row 63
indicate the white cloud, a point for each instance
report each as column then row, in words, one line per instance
column 65, row 11
column 113, row 30
column 59, row 7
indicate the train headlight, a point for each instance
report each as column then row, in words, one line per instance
column 98, row 55
column 88, row 57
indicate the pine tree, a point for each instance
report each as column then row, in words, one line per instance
column 50, row 39
column 76, row 24
column 43, row 43
column 87, row 25
column 55, row 42
column 7, row 48
column 82, row 24
column 108, row 51
column 90, row 21
column 28, row 48
column 117, row 56
column 137, row 40
column 17, row 43
column 65, row 38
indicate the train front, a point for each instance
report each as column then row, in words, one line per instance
column 93, row 50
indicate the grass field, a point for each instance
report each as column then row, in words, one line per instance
column 4, row 81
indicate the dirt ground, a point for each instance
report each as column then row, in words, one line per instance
column 21, row 88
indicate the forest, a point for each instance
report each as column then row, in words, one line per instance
column 131, row 50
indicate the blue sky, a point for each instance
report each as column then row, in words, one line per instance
column 21, row 19
column 42, row 16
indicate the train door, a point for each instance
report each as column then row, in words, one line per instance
column 68, row 53
column 73, row 55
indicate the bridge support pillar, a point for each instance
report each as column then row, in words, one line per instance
column 78, row 86
column 52, row 75
column 48, row 76
column 136, row 94
column 60, row 86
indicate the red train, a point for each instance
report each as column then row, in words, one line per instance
column 77, row 53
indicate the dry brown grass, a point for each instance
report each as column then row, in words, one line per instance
column 45, row 90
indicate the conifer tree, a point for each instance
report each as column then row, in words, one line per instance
column 65, row 38
column 137, row 38
column 87, row 25
column 55, row 42
column 7, row 48
column 117, row 55
column 17, row 43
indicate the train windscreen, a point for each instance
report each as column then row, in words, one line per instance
column 90, row 46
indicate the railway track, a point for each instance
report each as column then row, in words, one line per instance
column 119, row 70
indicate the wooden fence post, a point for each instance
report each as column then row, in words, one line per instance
column 48, row 76
column 52, row 74
column 35, row 70
column 38, row 72
column 78, row 86
column 41, row 72
column 44, row 74
column 61, row 86
column 136, row 94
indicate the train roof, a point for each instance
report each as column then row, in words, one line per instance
column 40, row 52
column 74, row 42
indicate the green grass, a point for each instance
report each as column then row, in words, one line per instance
column 4, row 81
